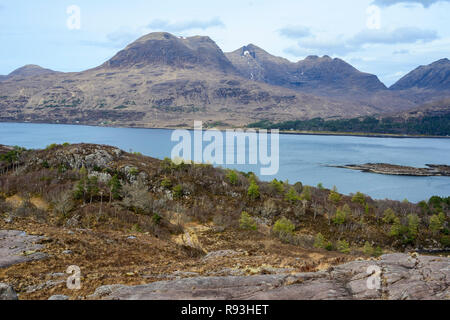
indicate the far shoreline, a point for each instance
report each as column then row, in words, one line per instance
column 286, row 132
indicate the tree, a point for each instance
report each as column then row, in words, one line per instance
column 283, row 226
column 341, row 215
column 334, row 196
column 292, row 195
column 437, row 222
column 359, row 198
column 320, row 241
column 246, row 222
column 413, row 225
column 343, row 246
column 253, row 190
column 92, row 188
column 277, row 186
column 306, row 194
column 389, row 216
column 115, row 188
column 232, row 177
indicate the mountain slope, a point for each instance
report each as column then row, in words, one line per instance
column 309, row 74
column 435, row 76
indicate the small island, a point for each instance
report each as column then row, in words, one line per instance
column 392, row 169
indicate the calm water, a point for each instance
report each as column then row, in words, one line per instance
column 302, row 158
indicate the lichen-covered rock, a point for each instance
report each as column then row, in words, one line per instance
column 399, row 276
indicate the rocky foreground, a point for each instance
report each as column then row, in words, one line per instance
column 400, row 276
column 391, row 169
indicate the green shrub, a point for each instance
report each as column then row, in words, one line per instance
column 320, row 186
column 51, row 146
column 320, row 241
column 368, row 249
column 156, row 218
column 445, row 241
column 278, row 186
column 359, row 198
column 334, row 196
column 283, row 226
column 166, row 183
column 341, row 215
column 343, row 246
column 437, row 222
column 292, row 195
column 232, row 177
column 246, row 222
column 253, row 190
column 178, row 191
column 389, row 216
column 306, row 194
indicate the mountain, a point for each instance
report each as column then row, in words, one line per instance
column 161, row 80
column 162, row 48
column 311, row 74
column 435, row 76
column 30, row 70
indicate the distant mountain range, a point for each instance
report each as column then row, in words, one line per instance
column 161, row 80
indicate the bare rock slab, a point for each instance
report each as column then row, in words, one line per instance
column 18, row 247
column 400, row 276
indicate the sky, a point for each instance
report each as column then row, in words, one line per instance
column 388, row 38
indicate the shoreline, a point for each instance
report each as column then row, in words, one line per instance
column 287, row 132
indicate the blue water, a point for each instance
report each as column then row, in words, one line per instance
column 303, row 158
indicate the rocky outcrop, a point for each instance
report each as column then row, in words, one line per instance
column 392, row 169
column 7, row 292
column 392, row 277
column 18, row 247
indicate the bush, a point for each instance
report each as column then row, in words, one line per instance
column 178, row 191
column 437, row 222
column 359, row 198
column 368, row 249
column 389, row 216
column 341, row 215
column 306, row 194
column 253, row 190
column 445, row 241
column 277, row 186
column 343, row 246
column 283, row 226
column 334, row 196
column 292, row 195
column 321, row 243
column 232, row 177
column 156, row 218
column 166, row 183
column 246, row 222
column 413, row 226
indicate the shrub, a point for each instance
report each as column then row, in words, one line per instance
column 283, row 226
column 334, row 196
column 359, row 198
column 166, row 183
column 445, row 241
column 413, row 225
column 320, row 186
column 232, row 177
column 246, row 222
column 277, row 186
column 389, row 216
column 178, row 191
column 437, row 222
column 368, row 249
column 253, row 190
column 319, row 241
column 306, row 194
column 156, row 218
column 51, row 146
column 343, row 246
column 341, row 215
column 292, row 195
column 298, row 186
column 397, row 228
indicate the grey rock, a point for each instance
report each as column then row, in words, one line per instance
column 59, row 297
column 18, row 247
column 7, row 292
column 400, row 276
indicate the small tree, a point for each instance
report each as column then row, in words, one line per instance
column 246, row 222
column 359, row 198
column 368, row 249
column 343, row 246
column 320, row 241
column 253, row 190
column 437, row 222
column 341, row 215
column 389, row 216
column 292, row 195
column 306, row 194
column 115, row 188
column 277, row 186
column 413, row 226
column 232, row 177
column 178, row 191
column 334, row 196
column 283, row 226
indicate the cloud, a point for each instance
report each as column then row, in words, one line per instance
column 342, row 46
column 424, row 3
column 296, row 32
column 399, row 35
column 164, row 25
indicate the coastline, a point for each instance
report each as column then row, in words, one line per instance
column 290, row 132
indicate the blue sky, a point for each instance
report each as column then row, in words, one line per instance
column 386, row 37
